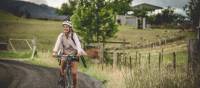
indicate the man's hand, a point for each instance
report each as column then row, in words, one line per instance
column 81, row 53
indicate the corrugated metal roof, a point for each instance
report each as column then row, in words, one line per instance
column 162, row 3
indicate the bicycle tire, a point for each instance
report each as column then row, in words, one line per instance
column 61, row 83
column 69, row 78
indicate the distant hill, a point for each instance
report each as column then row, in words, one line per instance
column 30, row 10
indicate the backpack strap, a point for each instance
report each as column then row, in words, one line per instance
column 72, row 37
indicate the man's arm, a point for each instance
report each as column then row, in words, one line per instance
column 78, row 45
column 57, row 45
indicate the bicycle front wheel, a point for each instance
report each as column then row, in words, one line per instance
column 69, row 78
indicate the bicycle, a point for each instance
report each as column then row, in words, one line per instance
column 68, row 83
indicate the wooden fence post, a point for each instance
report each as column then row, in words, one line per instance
column 198, row 35
column 189, row 59
column 149, row 59
column 136, row 57
column 159, row 60
column 114, row 59
column 101, row 45
column 194, row 60
column 192, row 48
column 139, row 58
column 174, row 61
column 125, row 57
column 120, row 60
column 34, row 53
column 162, row 54
column 130, row 62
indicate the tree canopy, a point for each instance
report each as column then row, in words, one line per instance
column 94, row 20
column 68, row 8
column 193, row 10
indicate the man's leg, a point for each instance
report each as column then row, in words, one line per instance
column 74, row 73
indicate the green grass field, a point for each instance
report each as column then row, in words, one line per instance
column 46, row 32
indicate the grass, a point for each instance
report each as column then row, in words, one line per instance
column 46, row 32
column 145, row 77
column 136, row 35
column 11, row 54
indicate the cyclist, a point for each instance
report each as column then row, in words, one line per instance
column 68, row 44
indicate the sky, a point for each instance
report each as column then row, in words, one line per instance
column 52, row 3
column 178, row 4
column 163, row 3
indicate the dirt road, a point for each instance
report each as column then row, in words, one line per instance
column 14, row 74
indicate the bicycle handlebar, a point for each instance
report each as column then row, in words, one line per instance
column 81, row 57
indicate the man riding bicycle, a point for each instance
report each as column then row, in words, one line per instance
column 68, row 44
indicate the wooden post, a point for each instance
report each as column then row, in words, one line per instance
column 34, row 48
column 194, row 60
column 159, row 60
column 189, row 64
column 114, row 59
column 125, row 57
column 101, row 46
column 136, row 58
column 174, row 61
column 162, row 57
column 149, row 59
column 139, row 58
column 120, row 60
column 198, row 35
column 130, row 62
column 160, row 42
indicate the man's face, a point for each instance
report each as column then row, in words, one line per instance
column 66, row 28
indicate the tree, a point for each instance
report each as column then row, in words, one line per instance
column 94, row 20
column 68, row 8
column 120, row 7
column 193, row 10
column 141, row 12
column 167, row 16
column 194, row 45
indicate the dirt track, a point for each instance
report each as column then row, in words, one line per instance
column 14, row 74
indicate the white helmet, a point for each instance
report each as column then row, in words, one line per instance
column 67, row 23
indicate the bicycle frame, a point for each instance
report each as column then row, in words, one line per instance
column 69, row 78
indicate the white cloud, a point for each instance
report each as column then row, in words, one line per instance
column 36, row 1
column 55, row 3
column 52, row 3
